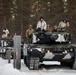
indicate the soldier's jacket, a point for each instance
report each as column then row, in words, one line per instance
column 28, row 34
column 48, row 30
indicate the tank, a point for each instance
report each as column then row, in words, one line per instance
column 50, row 46
column 5, row 45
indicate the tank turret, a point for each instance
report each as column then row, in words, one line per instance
column 51, row 37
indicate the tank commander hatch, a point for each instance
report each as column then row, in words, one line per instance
column 29, row 32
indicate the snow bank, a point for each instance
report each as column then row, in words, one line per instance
column 7, row 69
column 2, row 62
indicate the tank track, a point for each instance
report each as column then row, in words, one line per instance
column 34, row 63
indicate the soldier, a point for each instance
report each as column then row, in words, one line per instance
column 63, row 25
column 4, row 36
column 68, row 25
column 6, row 31
column 48, row 29
column 41, row 25
column 67, row 22
column 55, row 29
column 29, row 32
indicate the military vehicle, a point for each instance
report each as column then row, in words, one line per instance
column 5, row 45
column 50, row 46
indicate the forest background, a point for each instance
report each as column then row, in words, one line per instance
column 16, row 15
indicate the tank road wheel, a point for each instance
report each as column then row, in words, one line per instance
column 34, row 63
column 74, row 64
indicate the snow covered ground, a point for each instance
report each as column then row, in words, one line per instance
column 7, row 69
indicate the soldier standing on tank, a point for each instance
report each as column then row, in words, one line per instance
column 68, row 25
column 48, row 29
column 63, row 25
column 41, row 25
column 29, row 32
column 55, row 28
